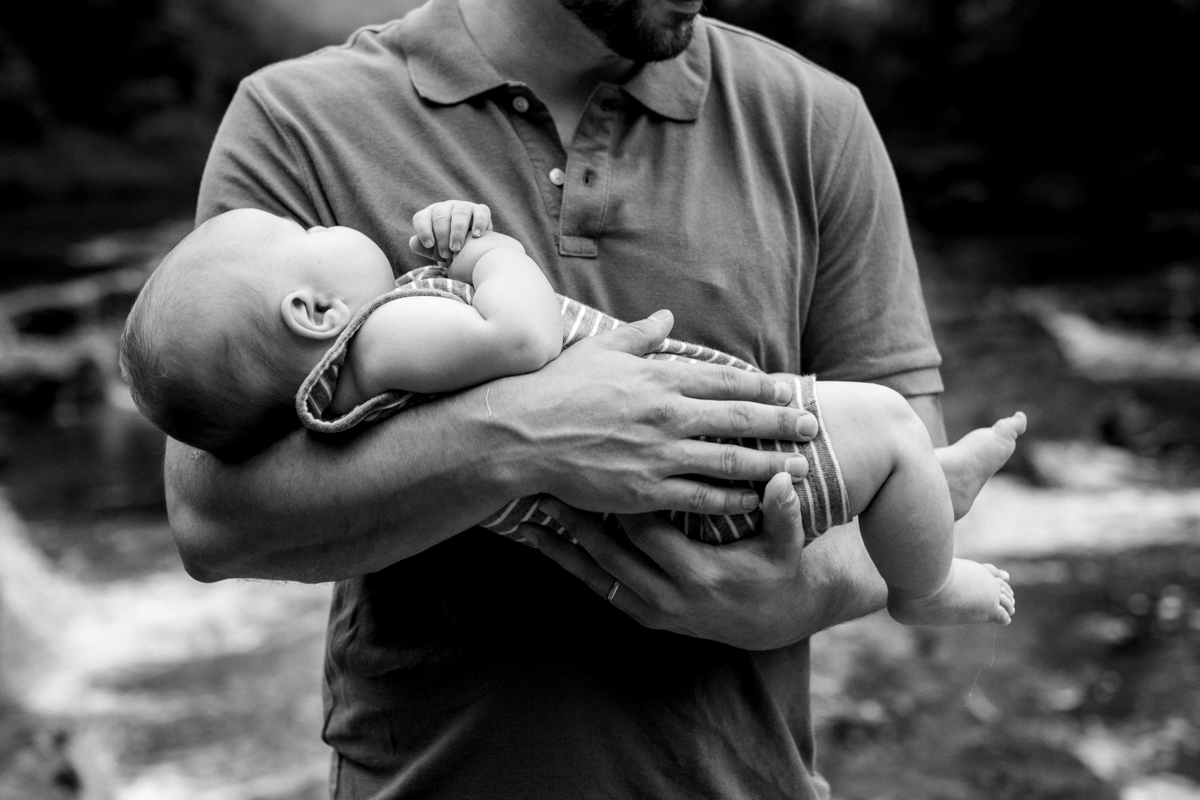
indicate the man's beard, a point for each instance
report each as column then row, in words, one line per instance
column 622, row 28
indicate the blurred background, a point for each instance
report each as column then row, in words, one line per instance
column 1050, row 162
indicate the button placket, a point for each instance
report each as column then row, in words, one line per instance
column 533, row 125
column 586, row 182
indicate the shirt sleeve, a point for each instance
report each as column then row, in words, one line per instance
column 867, row 320
column 254, row 164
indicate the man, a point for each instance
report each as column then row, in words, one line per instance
column 647, row 159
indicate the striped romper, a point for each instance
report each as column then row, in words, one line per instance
column 822, row 493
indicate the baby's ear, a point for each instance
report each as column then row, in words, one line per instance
column 313, row 315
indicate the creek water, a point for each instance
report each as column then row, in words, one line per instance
column 164, row 687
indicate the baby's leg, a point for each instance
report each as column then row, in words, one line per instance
column 897, row 489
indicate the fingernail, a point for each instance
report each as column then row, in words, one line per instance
column 796, row 467
column 749, row 502
column 789, row 498
column 807, row 425
column 456, row 247
column 531, row 539
column 477, row 233
column 660, row 315
column 427, row 242
column 783, row 392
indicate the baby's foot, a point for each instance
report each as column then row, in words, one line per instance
column 972, row 592
column 969, row 462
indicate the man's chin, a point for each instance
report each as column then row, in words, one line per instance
column 625, row 29
column 659, row 43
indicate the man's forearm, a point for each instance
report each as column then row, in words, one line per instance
column 313, row 508
column 598, row 427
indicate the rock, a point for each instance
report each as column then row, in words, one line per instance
column 143, row 247
column 37, row 377
column 34, row 759
column 1105, row 353
column 88, row 298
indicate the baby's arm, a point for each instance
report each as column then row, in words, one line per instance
column 432, row 344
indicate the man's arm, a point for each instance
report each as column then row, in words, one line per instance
column 929, row 409
column 316, row 509
column 759, row 593
column 597, row 427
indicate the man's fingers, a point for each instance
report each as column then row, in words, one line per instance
column 577, row 561
column 636, row 338
column 614, row 556
column 713, row 382
column 685, row 494
column 572, row 558
column 742, row 419
column 783, row 527
column 732, row 462
column 666, row 546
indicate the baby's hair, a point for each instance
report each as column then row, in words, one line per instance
column 204, row 357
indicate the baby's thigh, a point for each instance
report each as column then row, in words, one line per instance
column 870, row 428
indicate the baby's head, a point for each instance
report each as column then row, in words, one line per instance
column 235, row 317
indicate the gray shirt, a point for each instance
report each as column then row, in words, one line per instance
column 738, row 185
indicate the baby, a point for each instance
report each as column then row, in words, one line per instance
column 251, row 306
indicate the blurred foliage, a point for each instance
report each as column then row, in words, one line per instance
column 1059, row 119
column 1059, row 131
column 107, row 107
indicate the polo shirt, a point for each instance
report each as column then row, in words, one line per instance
column 738, row 185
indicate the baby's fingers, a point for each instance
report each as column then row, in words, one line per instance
column 442, row 215
column 481, row 222
column 423, row 229
column 460, row 224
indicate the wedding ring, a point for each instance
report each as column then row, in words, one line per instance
column 613, row 591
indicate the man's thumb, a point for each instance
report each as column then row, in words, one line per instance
column 639, row 338
column 782, row 525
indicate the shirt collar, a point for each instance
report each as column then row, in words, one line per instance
column 676, row 89
column 446, row 66
column 444, row 63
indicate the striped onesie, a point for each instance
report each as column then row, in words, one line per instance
column 822, row 493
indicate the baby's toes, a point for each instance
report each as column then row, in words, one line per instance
column 1010, row 427
column 1000, row 616
column 1007, row 602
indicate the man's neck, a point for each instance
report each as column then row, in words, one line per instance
column 542, row 44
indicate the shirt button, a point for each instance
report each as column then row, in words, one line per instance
column 557, row 177
column 520, row 104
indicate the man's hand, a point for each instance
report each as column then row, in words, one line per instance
column 604, row 431
column 759, row 593
column 598, row 427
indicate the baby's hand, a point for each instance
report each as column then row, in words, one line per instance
column 442, row 228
